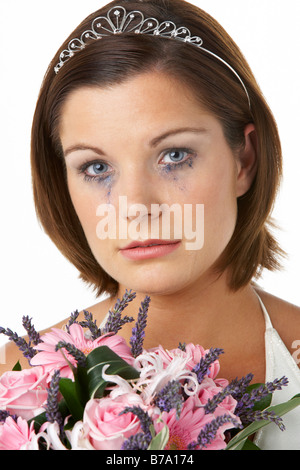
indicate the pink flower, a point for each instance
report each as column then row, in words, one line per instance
column 24, row 392
column 52, row 359
column 107, row 428
column 15, row 435
column 184, row 430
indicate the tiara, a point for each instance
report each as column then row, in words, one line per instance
column 118, row 21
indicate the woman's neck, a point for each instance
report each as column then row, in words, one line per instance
column 203, row 313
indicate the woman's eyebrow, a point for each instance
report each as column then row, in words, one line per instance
column 80, row 147
column 154, row 142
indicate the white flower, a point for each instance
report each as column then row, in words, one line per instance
column 155, row 374
column 78, row 439
column 76, row 436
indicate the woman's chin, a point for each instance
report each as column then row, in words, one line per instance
column 156, row 283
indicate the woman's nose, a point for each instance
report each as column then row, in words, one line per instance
column 138, row 189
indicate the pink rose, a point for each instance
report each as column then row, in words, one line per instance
column 15, row 435
column 53, row 360
column 107, row 429
column 24, row 392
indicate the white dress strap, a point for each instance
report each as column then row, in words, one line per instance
column 268, row 322
column 279, row 362
column 102, row 325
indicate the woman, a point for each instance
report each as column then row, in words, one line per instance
column 173, row 120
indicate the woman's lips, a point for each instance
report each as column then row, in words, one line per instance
column 149, row 249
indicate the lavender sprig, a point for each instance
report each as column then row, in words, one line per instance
column 240, row 386
column 5, row 414
column 73, row 319
column 209, row 432
column 138, row 332
column 170, row 397
column 245, row 408
column 236, row 388
column 214, row 402
column 33, row 335
column 202, row 368
column 263, row 415
column 91, row 325
column 115, row 322
column 52, row 410
column 20, row 342
column 247, row 400
column 53, row 413
column 78, row 355
column 141, row 440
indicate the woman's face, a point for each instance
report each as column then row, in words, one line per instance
column 148, row 141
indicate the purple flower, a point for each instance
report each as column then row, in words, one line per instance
column 20, row 342
column 209, row 432
column 78, row 355
column 33, row 335
column 170, row 397
column 141, row 440
column 115, row 322
column 91, row 325
column 5, row 414
column 202, row 368
column 52, row 409
column 138, row 332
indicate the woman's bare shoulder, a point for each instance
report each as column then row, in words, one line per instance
column 98, row 310
column 10, row 353
column 285, row 317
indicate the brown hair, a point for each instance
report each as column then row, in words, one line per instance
column 119, row 57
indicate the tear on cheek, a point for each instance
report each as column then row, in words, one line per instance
column 108, row 186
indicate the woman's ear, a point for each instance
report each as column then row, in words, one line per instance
column 247, row 161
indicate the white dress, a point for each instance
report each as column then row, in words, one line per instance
column 280, row 362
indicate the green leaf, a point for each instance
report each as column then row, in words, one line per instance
column 280, row 410
column 17, row 367
column 69, row 391
column 81, row 385
column 160, row 441
column 96, row 360
column 249, row 445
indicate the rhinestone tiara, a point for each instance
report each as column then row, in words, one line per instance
column 118, row 21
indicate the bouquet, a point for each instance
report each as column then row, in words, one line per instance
column 86, row 388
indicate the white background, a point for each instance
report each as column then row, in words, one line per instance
column 35, row 278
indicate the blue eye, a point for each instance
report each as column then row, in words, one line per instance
column 94, row 170
column 97, row 168
column 175, row 158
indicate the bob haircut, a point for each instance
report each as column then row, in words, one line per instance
column 117, row 58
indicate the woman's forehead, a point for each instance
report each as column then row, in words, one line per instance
column 109, row 118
